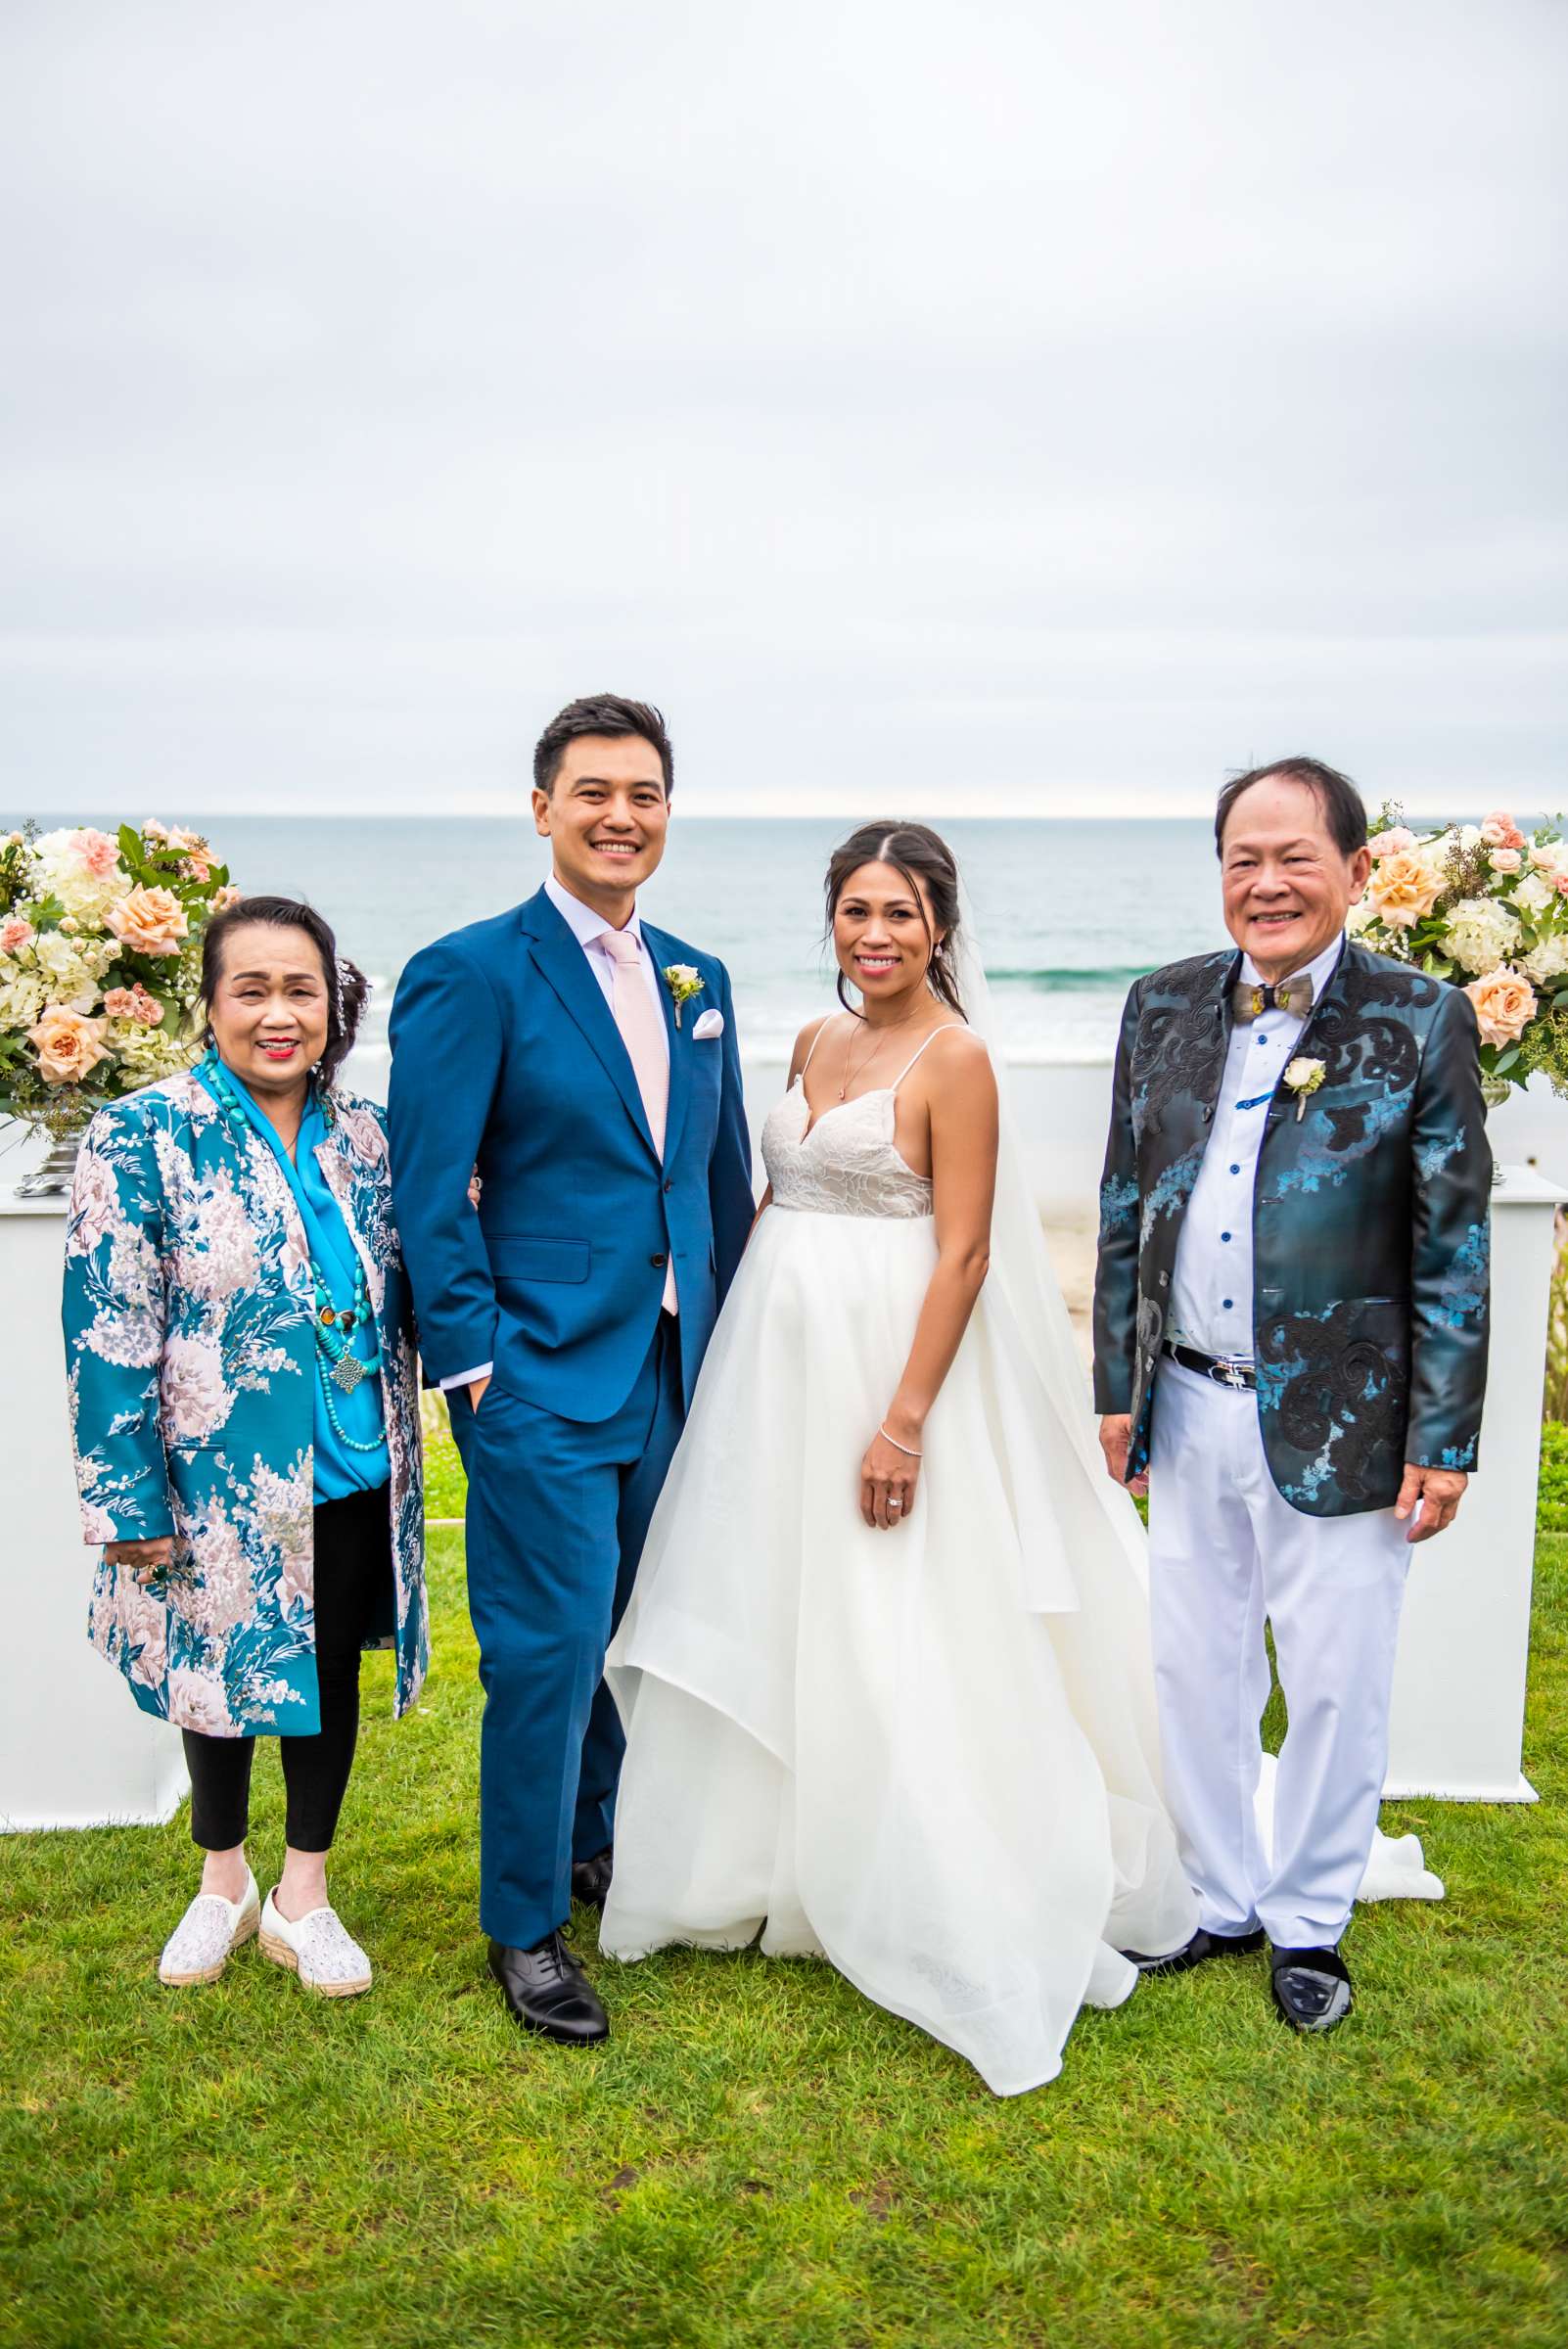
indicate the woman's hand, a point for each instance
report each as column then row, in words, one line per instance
column 147, row 1561
column 888, row 1480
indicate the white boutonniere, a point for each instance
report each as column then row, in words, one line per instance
column 683, row 981
column 1304, row 1076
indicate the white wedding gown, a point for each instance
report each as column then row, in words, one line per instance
column 930, row 1753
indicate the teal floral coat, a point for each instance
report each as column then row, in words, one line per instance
column 190, row 1351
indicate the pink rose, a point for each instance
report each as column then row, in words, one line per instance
column 15, row 931
column 1505, row 1005
column 1499, row 831
column 67, row 1045
column 1397, row 841
column 133, row 1003
column 1507, row 860
column 226, row 897
column 97, row 851
column 153, row 830
column 195, row 868
column 150, row 921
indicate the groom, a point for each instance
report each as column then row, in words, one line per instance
column 1290, row 1341
column 585, row 1063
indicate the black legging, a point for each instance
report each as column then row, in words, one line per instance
column 354, row 1585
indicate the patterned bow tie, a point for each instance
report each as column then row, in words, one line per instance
column 1250, row 1001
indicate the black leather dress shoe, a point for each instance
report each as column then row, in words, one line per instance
column 1203, row 1945
column 1311, row 1988
column 590, row 1878
column 548, row 1991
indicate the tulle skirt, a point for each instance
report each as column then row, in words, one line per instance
column 929, row 1754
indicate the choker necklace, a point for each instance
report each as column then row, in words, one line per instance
column 335, row 1325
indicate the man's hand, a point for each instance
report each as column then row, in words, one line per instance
column 476, row 1390
column 147, row 1561
column 1440, row 1491
column 1115, row 1434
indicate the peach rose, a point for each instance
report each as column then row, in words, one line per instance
column 67, row 1045
column 1403, row 888
column 1397, row 841
column 150, row 921
column 1505, row 1004
column 1507, row 860
column 227, row 895
column 1499, row 831
column 15, row 931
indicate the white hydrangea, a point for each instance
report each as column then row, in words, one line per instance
column 1360, row 916
column 1534, row 894
column 62, row 873
column 71, row 967
column 1482, row 931
column 1547, row 960
column 24, row 994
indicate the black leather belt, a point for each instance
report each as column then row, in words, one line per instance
column 1208, row 1365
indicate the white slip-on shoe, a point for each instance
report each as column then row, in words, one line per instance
column 319, row 1949
column 197, row 1949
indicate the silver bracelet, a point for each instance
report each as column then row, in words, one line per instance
column 907, row 1450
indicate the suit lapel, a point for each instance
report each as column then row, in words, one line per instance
column 663, row 952
column 561, row 961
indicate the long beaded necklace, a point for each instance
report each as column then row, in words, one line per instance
column 333, row 1324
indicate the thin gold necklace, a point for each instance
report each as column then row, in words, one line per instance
column 850, row 1071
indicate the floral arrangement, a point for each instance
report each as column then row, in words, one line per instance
column 99, row 965
column 1486, row 907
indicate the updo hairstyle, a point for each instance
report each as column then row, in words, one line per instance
column 348, row 987
column 920, row 855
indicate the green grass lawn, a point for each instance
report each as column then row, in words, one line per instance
column 759, row 2156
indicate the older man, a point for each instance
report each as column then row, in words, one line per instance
column 1290, row 1329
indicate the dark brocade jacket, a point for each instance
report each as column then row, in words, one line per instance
column 1370, row 1225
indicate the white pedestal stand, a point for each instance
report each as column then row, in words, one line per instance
column 74, row 1750
column 1457, row 1723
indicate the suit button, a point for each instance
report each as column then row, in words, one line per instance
column 659, row 1263
column 669, row 1186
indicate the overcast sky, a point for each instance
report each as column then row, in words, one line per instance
column 989, row 408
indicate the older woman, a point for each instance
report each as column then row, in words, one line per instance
column 244, row 1402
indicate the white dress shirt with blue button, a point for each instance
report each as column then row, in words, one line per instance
column 1210, row 1288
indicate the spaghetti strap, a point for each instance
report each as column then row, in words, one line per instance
column 822, row 1028
column 916, row 1055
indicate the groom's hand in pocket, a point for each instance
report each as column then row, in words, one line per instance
column 1115, row 1434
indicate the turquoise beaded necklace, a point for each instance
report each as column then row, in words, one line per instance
column 336, row 1362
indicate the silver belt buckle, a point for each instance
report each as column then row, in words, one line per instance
column 1232, row 1374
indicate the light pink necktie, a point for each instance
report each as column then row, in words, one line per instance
column 647, row 1048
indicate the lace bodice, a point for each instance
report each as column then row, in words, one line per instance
column 847, row 1164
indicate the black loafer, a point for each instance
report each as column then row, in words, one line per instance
column 1202, row 1946
column 548, row 1991
column 590, row 1878
column 1311, row 1988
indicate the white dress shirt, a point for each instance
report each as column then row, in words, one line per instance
column 587, row 928
column 1211, row 1286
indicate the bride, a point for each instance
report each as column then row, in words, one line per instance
column 885, row 1672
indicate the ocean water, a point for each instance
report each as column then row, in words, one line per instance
column 1068, row 913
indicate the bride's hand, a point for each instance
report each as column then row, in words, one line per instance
column 888, row 1480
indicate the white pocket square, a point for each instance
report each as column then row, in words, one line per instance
column 710, row 1024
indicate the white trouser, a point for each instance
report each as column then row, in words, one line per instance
column 1226, row 1551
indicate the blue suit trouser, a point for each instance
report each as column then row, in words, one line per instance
column 557, row 1513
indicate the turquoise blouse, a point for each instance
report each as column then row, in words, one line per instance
column 362, row 1414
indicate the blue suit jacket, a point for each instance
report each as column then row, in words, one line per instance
column 506, row 1055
